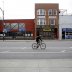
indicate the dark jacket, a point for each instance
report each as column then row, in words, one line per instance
column 38, row 38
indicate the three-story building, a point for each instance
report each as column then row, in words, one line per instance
column 47, row 20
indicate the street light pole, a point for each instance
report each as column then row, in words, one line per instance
column 3, row 22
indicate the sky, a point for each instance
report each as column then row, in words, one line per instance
column 25, row 9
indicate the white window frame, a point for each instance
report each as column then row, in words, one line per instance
column 50, row 12
column 14, row 25
column 7, row 25
column 41, row 21
column 41, row 12
column 21, row 25
column 54, row 11
column 53, row 21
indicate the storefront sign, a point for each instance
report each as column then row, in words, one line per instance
column 67, row 29
column 47, row 29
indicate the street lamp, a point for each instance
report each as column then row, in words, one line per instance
column 3, row 21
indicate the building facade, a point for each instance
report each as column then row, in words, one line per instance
column 46, row 23
column 65, row 27
column 47, row 20
column 18, row 29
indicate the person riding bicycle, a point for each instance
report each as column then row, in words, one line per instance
column 38, row 39
column 39, row 43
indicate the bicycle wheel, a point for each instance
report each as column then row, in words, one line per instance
column 34, row 46
column 43, row 46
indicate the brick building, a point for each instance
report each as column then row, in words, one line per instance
column 47, row 20
column 18, row 28
column 46, row 23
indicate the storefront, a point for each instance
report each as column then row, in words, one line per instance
column 65, row 27
column 47, row 33
column 67, row 33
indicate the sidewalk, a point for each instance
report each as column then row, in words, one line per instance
column 36, row 65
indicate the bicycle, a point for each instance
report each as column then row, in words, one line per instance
column 40, row 44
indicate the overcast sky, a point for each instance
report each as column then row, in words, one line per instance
column 24, row 9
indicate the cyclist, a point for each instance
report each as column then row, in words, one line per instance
column 38, row 39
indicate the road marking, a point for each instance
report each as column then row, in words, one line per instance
column 15, row 48
column 70, row 47
column 4, row 51
column 24, row 48
column 31, row 52
column 63, row 50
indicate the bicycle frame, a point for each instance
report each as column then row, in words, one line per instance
column 39, row 44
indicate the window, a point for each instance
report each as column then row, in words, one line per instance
column 52, row 21
column 41, row 21
column 50, row 12
column 14, row 25
column 7, row 25
column 54, row 12
column 21, row 25
column 41, row 12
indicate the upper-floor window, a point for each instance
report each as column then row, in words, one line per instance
column 41, row 12
column 41, row 21
column 54, row 11
column 50, row 12
column 52, row 21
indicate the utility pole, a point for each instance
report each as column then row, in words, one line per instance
column 3, row 19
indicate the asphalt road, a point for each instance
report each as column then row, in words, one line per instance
column 23, row 50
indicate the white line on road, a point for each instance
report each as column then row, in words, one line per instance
column 30, row 52
column 15, row 48
column 70, row 47
column 63, row 50
column 5, row 51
